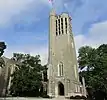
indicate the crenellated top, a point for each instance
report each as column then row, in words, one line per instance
column 64, row 14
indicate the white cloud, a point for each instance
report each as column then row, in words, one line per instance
column 9, row 8
column 97, row 35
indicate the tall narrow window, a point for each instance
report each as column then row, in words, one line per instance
column 56, row 28
column 56, row 33
column 66, row 25
column 59, row 26
column 56, row 22
column 59, row 32
column 60, row 69
column 66, row 21
column 59, row 20
column 66, row 28
column 62, row 32
column 62, row 24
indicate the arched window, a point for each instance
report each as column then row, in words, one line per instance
column 60, row 69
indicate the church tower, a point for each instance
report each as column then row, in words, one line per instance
column 63, row 77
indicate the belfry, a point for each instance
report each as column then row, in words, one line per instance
column 63, row 76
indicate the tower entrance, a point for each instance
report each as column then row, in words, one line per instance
column 60, row 89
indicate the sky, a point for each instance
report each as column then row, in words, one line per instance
column 24, row 24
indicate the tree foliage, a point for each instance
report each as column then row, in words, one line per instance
column 2, row 47
column 95, row 63
column 27, row 77
column 86, row 57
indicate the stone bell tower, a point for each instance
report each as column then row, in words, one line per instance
column 62, row 63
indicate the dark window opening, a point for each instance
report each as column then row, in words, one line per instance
column 66, row 29
column 56, row 22
column 66, row 21
column 59, row 20
column 56, row 33
column 59, row 32
column 62, row 27
column 62, row 32
column 56, row 28
column 59, row 28
column 62, row 24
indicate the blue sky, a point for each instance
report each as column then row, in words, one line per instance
column 24, row 24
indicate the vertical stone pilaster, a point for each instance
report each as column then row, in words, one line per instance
column 66, row 88
column 56, row 90
column 84, row 89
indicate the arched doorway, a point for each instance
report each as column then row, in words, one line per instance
column 60, row 89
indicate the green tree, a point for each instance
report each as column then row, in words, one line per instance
column 2, row 48
column 27, row 76
column 86, row 57
column 99, row 75
column 95, row 62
